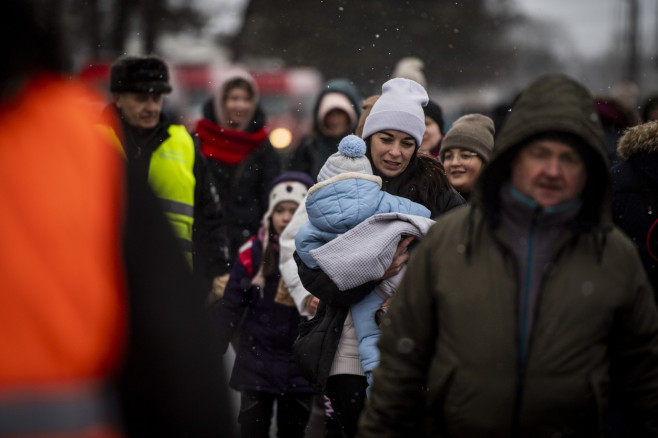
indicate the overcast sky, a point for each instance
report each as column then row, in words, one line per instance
column 594, row 25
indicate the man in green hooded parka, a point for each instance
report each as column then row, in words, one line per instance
column 527, row 313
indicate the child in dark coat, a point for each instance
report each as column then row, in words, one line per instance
column 254, row 304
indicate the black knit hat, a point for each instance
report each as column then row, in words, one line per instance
column 434, row 112
column 139, row 74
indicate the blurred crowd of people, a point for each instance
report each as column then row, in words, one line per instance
column 395, row 277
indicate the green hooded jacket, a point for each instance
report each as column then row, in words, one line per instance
column 449, row 352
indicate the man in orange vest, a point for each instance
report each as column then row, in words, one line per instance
column 92, row 274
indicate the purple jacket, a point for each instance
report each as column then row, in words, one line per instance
column 264, row 359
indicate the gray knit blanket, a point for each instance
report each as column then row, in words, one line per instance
column 365, row 252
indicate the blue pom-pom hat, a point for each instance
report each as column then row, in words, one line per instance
column 352, row 146
column 351, row 157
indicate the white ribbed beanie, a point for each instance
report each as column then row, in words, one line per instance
column 400, row 107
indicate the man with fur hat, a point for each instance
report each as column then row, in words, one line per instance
column 526, row 313
column 164, row 154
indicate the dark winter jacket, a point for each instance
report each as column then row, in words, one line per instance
column 319, row 337
column 242, row 188
column 172, row 381
column 635, row 193
column 313, row 150
column 264, row 359
column 450, row 355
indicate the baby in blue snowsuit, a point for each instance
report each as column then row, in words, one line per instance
column 346, row 194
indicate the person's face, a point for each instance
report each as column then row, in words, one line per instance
column 549, row 172
column 462, row 168
column 238, row 105
column 282, row 215
column 141, row 110
column 432, row 135
column 391, row 151
column 336, row 123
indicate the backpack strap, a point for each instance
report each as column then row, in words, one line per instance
column 245, row 255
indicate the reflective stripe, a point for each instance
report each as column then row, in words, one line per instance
column 70, row 410
column 177, row 207
column 171, row 175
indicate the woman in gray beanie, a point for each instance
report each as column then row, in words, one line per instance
column 465, row 151
column 393, row 132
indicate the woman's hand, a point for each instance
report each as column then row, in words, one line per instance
column 311, row 304
column 399, row 258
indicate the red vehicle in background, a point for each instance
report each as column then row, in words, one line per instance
column 287, row 95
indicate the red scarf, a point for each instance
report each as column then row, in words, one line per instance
column 226, row 145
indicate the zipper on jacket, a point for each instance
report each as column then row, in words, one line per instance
column 514, row 423
column 525, row 310
column 523, row 324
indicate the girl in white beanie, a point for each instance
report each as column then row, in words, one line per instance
column 266, row 322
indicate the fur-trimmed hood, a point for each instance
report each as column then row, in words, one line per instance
column 639, row 139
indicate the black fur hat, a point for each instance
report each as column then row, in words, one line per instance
column 139, row 74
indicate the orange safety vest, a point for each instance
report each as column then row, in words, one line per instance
column 62, row 311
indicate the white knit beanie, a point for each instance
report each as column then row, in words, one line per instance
column 400, row 107
column 293, row 191
column 290, row 187
column 349, row 158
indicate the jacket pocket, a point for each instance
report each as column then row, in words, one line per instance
column 440, row 381
column 305, row 327
column 599, row 383
column 308, row 346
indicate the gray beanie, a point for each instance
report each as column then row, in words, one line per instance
column 473, row 132
column 400, row 107
column 349, row 158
